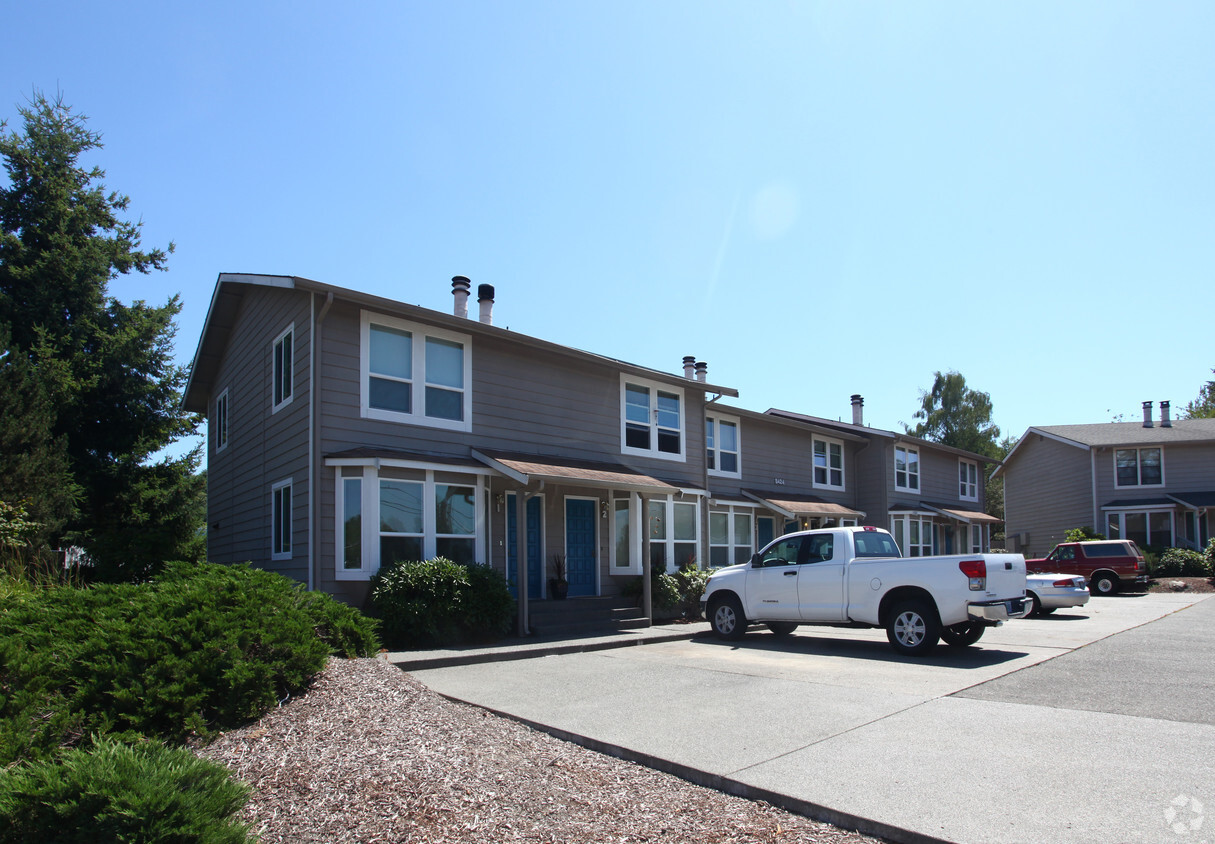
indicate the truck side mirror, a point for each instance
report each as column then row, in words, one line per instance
column 757, row 561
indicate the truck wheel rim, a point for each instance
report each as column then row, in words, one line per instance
column 725, row 619
column 909, row 628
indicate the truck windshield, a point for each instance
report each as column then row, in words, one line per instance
column 875, row 545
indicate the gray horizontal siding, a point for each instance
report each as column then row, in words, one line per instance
column 1047, row 491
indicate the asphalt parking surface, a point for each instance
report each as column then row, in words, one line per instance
column 1091, row 725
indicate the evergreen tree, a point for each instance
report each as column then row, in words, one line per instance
column 106, row 366
column 1202, row 407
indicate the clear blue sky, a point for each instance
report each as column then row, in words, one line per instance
column 818, row 199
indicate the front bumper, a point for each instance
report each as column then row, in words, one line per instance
column 996, row 611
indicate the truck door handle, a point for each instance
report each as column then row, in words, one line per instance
column 792, row 573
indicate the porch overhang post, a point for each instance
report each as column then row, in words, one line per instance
column 521, row 573
column 647, row 590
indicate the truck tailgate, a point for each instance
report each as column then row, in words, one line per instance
column 1005, row 575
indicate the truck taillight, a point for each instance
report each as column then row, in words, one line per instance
column 976, row 570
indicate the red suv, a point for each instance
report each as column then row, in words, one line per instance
column 1108, row 564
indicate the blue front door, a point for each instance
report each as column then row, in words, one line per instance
column 535, row 566
column 580, row 545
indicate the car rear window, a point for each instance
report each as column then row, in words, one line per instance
column 1108, row 549
column 875, row 545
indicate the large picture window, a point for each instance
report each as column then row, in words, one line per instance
column 673, row 535
column 415, row 374
column 1138, row 467
column 418, row 516
column 652, row 420
column 913, row 533
column 730, row 537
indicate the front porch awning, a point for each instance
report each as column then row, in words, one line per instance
column 1194, row 500
column 526, row 468
column 799, row 506
column 1139, row 504
column 970, row 517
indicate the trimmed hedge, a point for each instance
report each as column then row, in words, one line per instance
column 200, row 649
column 439, row 602
column 116, row 792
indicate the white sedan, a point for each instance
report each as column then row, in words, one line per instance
column 1049, row 592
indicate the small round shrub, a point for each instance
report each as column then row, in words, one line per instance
column 1182, row 562
column 439, row 602
column 115, row 792
column 691, row 583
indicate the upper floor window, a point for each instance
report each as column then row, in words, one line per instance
column 1138, row 467
column 828, row 464
column 284, row 366
column 415, row 374
column 721, row 446
column 907, row 468
column 968, row 480
column 219, row 424
column 652, row 421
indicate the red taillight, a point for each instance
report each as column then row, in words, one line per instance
column 1071, row 581
column 976, row 570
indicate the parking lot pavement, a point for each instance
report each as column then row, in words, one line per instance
column 1077, row 727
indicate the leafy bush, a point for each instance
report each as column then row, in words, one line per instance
column 691, row 584
column 1182, row 562
column 437, row 602
column 1082, row 534
column 664, row 594
column 203, row 648
column 115, row 792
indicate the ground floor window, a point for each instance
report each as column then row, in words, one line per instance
column 626, row 541
column 913, row 533
column 673, row 534
column 280, row 521
column 730, row 536
column 386, row 515
column 1143, row 527
column 978, row 539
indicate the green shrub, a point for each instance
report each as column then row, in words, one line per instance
column 202, row 648
column 115, row 792
column 439, row 602
column 691, row 584
column 1182, row 562
column 1082, row 534
column 664, row 593
column 1209, row 556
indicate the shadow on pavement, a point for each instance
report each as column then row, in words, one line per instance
column 942, row 656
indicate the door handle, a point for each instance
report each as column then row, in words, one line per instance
column 791, row 573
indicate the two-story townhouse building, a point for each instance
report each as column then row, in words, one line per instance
column 930, row 496
column 1151, row 481
column 347, row 431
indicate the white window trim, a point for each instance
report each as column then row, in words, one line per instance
column 371, row 517
column 419, row 333
column 223, row 409
column 1138, row 467
column 653, row 451
column 635, row 536
column 289, row 380
column 275, row 490
column 668, row 503
column 909, row 450
column 843, row 464
column 730, row 420
column 975, row 495
column 1147, row 513
column 900, row 529
column 732, row 540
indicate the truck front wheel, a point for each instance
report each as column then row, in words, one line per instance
column 726, row 617
column 913, row 628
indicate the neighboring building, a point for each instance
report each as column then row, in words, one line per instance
column 930, row 496
column 1153, row 482
column 348, row 430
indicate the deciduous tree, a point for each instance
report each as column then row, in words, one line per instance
column 1202, row 407
column 955, row 415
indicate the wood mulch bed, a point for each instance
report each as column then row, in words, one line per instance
column 369, row 754
column 1189, row 584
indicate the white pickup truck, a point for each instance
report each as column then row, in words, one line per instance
column 856, row 577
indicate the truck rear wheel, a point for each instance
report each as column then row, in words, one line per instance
column 913, row 627
column 1103, row 583
column 963, row 635
column 782, row 629
column 726, row 617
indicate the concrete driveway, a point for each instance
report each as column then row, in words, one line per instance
column 1092, row 725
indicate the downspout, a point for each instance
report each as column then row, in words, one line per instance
column 1092, row 455
column 314, row 446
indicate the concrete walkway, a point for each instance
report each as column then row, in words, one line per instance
column 1092, row 725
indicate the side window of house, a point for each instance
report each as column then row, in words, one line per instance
column 284, row 373
column 219, row 424
column 721, row 445
column 280, row 521
column 828, row 464
column 906, row 468
column 651, row 420
column 415, row 374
